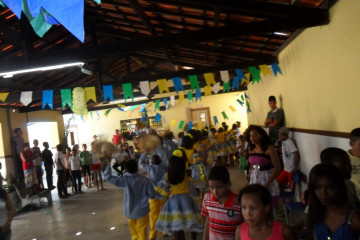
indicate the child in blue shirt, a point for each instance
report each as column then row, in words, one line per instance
column 138, row 189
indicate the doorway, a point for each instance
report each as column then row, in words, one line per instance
column 43, row 132
column 200, row 114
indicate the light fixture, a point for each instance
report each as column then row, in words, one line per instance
column 280, row 33
column 122, row 100
column 187, row 68
column 86, row 69
column 46, row 68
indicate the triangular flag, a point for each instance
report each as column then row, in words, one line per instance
column 172, row 100
column 128, row 91
column 157, row 117
column 90, row 94
column 209, row 79
column 190, row 96
column 197, row 94
column 255, row 73
column 216, row 87
column 240, row 102
column 145, row 87
column 91, row 115
column 226, row 86
column 164, row 118
column 276, row 69
column 232, row 108
column 3, row 96
column 200, row 125
column 215, row 120
column 121, row 108
column 190, row 124
column 246, row 79
column 166, row 103
column 157, row 105
column 207, row 90
column 108, row 92
column 98, row 115
column 265, row 69
column 26, row 97
column 246, row 96
column 66, row 98
column 248, row 107
column 224, row 76
column 177, row 84
column 107, row 112
column 194, row 82
column 240, row 74
column 162, row 84
column 181, row 97
column 224, row 115
column 181, row 125
column 242, row 97
column 235, row 83
column 47, row 98
column 172, row 123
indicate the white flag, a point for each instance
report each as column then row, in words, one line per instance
column 172, row 100
column 26, row 97
column 224, row 76
column 145, row 87
column 216, row 87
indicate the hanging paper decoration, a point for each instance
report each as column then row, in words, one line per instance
column 181, row 97
column 98, row 115
column 134, row 107
column 91, row 115
column 166, row 103
column 232, row 108
column 224, row 76
column 172, row 123
column 224, row 115
column 235, row 83
column 108, row 93
column 200, row 125
column 226, row 86
column 128, row 91
column 265, row 69
column 164, row 119
column 181, row 124
column 276, row 69
column 248, row 107
column 242, row 97
column 157, row 105
column 66, row 98
column 194, row 82
column 145, row 87
column 215, row 120
column 26, row 97
column 190, row 96
column 240, row 74
column 79, row 104
column 197, row 94
column 157, row 117
column 209, row 79
column 14, row 6
column 255, row 73
column 190, row 124
column 121, row 108
column 107, row 112
column 216, row 88
column 172, row 100
column 90, row 94
column 47, row 98
column 178, row 84
column 240, row 102
column 162, row 84
column 207, row 91
column 3, row 96
column 246, row 96
column 246, row 80
column 144, row 116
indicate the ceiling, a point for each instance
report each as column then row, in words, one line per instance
column 137, row 40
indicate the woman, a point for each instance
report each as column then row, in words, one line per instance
column 6, row 215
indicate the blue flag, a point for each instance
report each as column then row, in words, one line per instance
column 197, row 94
column 189, row 126
column 215, row 120
column 47, row 98
column 276, row 68
column 235, row 83
column 157, row 117
column 177, row 84
column 108, row 92
column 166, row 103
column 240, row 102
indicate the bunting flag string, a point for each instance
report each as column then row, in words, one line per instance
column 162, row 85
column 265, row 69
column 194, row 83
column 3, row 96
column 276, row 69
column 108, row 92
column 90, row 94
column 47, row 98
column 66, row 98
column 121, row 108
column 26, row 97
column 246, row 79
column 255, row 73
column 107, row 112
column 145, row 87
column 248, row 107
column 240, row 74
column 209, row 79
column 197, row 94
column 128, row 91
column 177, row 84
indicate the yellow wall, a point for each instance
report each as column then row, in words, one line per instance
column 319, row 86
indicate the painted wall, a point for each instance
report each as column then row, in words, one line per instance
column 104, row 127
column 319, row 88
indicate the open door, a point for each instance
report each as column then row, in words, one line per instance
column 200, row 114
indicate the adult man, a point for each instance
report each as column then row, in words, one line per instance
column 274, row 119
column 18, row 145
column 116, row 138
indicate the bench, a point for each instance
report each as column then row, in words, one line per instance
column 21, row 192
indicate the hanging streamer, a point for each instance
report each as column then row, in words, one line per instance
column 108, row 92
column 276, row 69
column 177, row 84
column 128, row 91
column 265, row 69
column 66, row 98
column 162, row 84
column 121, row 108
column 90, row 94
column 245, row 80
column 209, row 79
column 47, row 98
column 215, row 120
column 194, row 82
column 145, row 87
column 248, row 107
column 107, row 112
column 197, row 94
column 255, row 73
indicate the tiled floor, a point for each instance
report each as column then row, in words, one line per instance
column 94, row 214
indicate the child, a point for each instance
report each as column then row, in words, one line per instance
column 291, row 158
column 96, row 168
column 60, row 170
column 86, row 166
column 255, row 201
column 120, row 159
column 354, row 154
column 329, row 213
column 46, row 156
column 138, row 189
column 220, row 206
column 180, row 213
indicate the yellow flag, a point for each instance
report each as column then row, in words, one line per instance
column 232, row 108
column 209, row 79
column 149, row 104
column 200, row 125
column 265, row 69
column 162, row 84
column 181, row 97
column 207, row 91
column 244, row 80
column 3, row 96
column 90, row 94
column 172, row 123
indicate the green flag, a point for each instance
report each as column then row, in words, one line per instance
column 224, row 115
column 194, row 82
column 190, row 96
column 226, row 86
column 66, row 98
column 181, row 124
column 128, row 91
column 157, row 105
